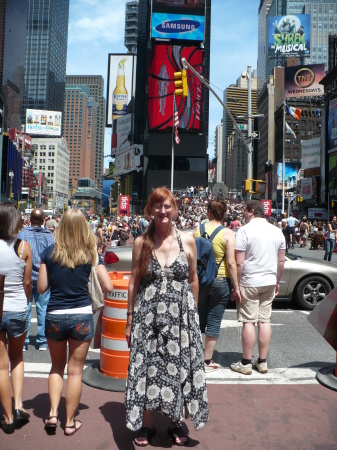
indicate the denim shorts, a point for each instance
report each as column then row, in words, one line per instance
column 13, row 323
column 60, row 327
column 212, row 302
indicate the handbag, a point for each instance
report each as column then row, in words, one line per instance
column 95, row 291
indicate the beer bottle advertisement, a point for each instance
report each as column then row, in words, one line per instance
column 120, row 93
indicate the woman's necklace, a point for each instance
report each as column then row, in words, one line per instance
column 162, row 272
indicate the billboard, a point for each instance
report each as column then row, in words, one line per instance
column 289, row 35
column 121, row 134
column 121, row 86
column 129, row 159
column 306, row 188
column 165, row 60
column 332, row 171
column 291, row 175
column 124, row 205
column 332, row 126
column 303, row 81
column 266, row 207
column 178, row 20
column 311, row 153
column 45, row 123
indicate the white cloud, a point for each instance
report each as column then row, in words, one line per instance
column 96, row 21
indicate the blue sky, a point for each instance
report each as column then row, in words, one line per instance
column 96, row 28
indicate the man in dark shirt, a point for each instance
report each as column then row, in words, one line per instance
column 38, row 239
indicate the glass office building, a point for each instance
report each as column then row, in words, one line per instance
column 46, row 54
column 13, row 23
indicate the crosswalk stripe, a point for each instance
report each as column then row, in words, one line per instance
column 222, row 376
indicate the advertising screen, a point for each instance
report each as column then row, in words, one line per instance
column 129, row 159
column 178, row 20
column 182, row 27
column 121, row 86
column 289, row 35
column 332, row 126
column 165, row 60
column 290, row 179
column 306, row 188
column 332, row 171
column 303, row 81
column 45, row 123
column 121, row 135
column 169, row 4
column 311, row 153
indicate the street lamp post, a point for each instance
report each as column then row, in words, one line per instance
column 11, row 176
column 249, row 117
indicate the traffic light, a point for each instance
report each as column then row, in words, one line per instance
column 180, row 83
column 300, row 199
column 248, row 185
column 259, row 186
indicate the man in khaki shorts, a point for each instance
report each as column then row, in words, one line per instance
column 260, row 254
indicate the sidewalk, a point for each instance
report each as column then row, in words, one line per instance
column 242, row 416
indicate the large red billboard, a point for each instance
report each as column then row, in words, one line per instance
column 165, row 60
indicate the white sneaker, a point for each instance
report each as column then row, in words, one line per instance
column 261, row 367
column 211, row 367
column 240, row 368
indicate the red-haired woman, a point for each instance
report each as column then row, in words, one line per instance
column 166, row 370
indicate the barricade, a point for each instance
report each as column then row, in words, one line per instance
column 114, row 355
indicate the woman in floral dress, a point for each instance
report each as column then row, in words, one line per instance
column 166, row 370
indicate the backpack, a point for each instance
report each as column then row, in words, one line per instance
column 124, row 235
column 303, row 226
column 207, row 268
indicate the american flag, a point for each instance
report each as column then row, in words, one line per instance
column 176, row 122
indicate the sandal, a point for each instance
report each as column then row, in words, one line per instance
column 146, row 433
column 48, row 425
column 177, row 433
column 73, row 427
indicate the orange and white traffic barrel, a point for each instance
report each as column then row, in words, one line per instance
column 114, row 355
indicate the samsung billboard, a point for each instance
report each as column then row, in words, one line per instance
column 178, row 20
column 289, row 35
column 44, row 123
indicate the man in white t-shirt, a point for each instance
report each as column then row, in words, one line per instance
column 260, row 255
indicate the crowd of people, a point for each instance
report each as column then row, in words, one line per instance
column 50, row 260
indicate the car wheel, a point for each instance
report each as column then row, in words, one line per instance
column 311, row 291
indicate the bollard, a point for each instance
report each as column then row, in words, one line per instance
column 114, row 357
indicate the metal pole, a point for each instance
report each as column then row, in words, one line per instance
column 204, row 82
column 172, row 154
column 249, row 156
column 283, row 157
column 11, row 175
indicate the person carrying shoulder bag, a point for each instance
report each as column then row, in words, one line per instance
column 213, row 299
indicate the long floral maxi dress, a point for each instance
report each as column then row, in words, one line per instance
column 166, row 370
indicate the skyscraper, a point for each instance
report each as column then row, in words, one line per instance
column 131, row 26
column 46, row 54
column 95, row 84
column 79, row 128
column 13, row 23
column 262, row 39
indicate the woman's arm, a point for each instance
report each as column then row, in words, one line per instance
column 104, row 278
column 27, row 275
column 231, row 263
column 133, row 285
column 42, row 280
column 191, row 252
